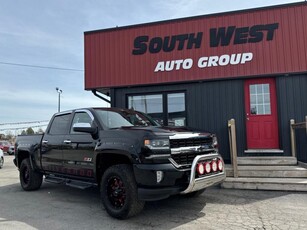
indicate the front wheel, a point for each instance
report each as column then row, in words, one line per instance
column 119, row 192
column 29, row 178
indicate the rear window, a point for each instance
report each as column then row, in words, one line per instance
column 60, row 125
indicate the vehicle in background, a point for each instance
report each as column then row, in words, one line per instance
column 11, row 150
column 1, row 158
column 4, row 146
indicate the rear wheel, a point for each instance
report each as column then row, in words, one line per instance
column 29, row 178
column 119, row 192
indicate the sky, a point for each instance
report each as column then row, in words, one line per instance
column 42, row 47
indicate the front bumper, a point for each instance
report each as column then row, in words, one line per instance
column 175, row 181
column 206, row 181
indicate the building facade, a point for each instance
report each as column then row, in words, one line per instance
column 202, row 71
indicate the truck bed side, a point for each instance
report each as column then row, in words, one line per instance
column 28, row 146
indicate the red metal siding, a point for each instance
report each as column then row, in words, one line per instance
column 109, row 61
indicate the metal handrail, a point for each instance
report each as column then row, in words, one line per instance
column 293, row 126
column 233, row 146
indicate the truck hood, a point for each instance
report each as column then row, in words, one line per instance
column 167, row 130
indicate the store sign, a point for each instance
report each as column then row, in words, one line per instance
column 204, row 62
column 142, row 44
column 257, row 33
column 243, row 44
column 222, row 36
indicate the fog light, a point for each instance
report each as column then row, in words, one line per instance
column 160, row 175
column 207, row 167
column 220, row 165
column 200, row 169
column 214, row 166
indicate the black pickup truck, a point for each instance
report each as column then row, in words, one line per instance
column 126, row 153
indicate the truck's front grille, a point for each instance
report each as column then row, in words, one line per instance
column 177, row 143
column 184, row 158
column 182, row 155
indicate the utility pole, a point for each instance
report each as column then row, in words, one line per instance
column 59, row 100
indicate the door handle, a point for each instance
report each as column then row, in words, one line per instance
column 45, row 142
column 67, row 141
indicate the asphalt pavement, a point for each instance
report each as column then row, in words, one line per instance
column 60, row 207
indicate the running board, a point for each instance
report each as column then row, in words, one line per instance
column 69, row 182
column 79, row 184
column 54, row 180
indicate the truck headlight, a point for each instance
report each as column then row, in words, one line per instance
column 157, row 143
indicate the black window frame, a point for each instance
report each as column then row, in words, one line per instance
column 164, row 94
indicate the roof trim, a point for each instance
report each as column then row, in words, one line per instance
column 196, row 17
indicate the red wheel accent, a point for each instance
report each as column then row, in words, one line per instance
column 116, row 192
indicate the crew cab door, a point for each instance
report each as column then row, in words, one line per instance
column 78, row 152
column 53, row 143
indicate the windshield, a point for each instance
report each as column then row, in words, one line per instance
column 113, row 119
column 139, row 119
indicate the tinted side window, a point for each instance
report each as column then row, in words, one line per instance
column 59, row 124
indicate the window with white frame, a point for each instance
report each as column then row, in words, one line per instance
column 260, row 103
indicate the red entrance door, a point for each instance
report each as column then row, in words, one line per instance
column 261, row 114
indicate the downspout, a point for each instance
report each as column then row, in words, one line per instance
column 94, row 91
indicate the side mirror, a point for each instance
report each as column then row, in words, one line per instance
column 85, row 128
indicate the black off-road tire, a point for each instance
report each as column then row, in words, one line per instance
column 29, row 179
column 119, row 192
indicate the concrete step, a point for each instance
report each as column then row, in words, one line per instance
column 264, row 151
column 279, row 184
column 272, row 171
column 229, row 170
column 267, row 161
column 268, row 171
